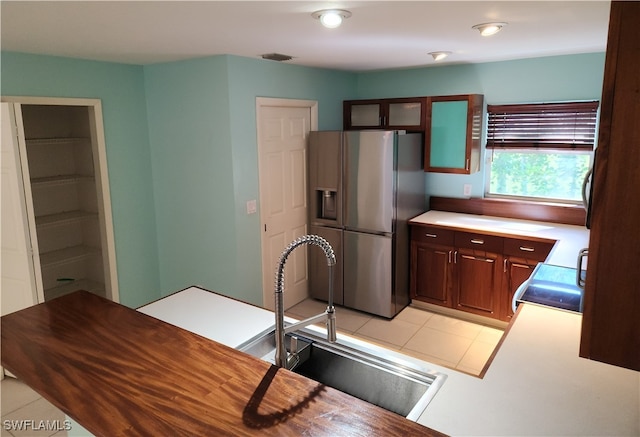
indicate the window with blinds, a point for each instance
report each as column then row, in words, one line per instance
column 540, row 151
column 545, row 125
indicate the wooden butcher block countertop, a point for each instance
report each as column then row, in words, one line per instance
column 119, row 372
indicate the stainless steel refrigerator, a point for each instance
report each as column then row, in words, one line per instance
column 363, row 187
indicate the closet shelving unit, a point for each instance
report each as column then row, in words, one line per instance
column 65, row 202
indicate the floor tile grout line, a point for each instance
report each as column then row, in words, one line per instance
column 6, row 413
column 420, row 326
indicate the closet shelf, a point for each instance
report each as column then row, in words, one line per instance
column 67, row 255
column 54, row 141
column 64, row 218
column 75, row 285
column 60, row 180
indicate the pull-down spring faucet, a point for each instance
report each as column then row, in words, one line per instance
column 281, row 357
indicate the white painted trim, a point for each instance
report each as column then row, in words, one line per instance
column 31, row 216
column 101, row 178
column 102, row 185
column 262, row 102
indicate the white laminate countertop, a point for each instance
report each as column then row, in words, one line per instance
column 537, row 385
column 571, row 239
column 211, row 315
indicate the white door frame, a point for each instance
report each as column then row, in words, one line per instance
column 101, row 179
column 12, row 167
column 262, row 102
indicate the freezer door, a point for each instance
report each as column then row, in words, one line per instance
column 369, row 160
column 325, row 178
column 318, row 269
column 368, row 261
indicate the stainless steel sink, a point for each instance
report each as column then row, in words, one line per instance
column 379, row 378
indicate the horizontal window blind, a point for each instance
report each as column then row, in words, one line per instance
column 543, row 125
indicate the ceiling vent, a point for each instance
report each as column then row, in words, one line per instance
column 276, row 57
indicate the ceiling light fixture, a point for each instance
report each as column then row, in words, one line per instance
column 439, row 56
column 331, row 18
column 487, row 29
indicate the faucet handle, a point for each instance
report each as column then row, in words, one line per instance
column 331, row 325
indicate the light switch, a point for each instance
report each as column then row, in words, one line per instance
column 251, row 207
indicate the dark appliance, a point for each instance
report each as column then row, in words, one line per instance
column 551, row 286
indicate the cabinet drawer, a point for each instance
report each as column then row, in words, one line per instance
column 427, row 234
column 487, row 243
column 535, row 250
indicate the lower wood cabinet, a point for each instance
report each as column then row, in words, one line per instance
column 472, row 272
column 432, row 281
column 478, row 282
column 516, row 271
column 431, row 257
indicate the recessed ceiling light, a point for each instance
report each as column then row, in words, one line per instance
column 331, row 18
column 487, row 29
column 439, row 56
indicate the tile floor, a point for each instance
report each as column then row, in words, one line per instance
column 432, row 337
column 24, row 408
column 438, row 339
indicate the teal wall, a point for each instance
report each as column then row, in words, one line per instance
column 556, row 78
column 202, row 123
column 121, row 89
column 182, row 146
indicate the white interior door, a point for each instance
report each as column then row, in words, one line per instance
column 18, row 287
column 283, row 128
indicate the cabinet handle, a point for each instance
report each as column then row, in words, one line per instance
column 527, row 249
column 450, row 257
column 504, row 266
column 455, row 257
column 431, row 235
column 477, row 241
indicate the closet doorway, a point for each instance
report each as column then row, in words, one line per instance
column 65, row 192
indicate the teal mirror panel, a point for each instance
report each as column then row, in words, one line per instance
column 448, row 134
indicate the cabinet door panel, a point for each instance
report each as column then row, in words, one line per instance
column 448, row 134
column 432, row 275
column 478, row 283
column 517, row 271
column 366, row 115
column 405, row 114
column 453, row 131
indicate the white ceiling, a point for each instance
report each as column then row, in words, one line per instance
column 379, row 34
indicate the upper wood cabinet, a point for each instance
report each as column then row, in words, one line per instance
column 401, row 113
column 454, row 129
column 610, row 324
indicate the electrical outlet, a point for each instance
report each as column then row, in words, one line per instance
column 251, row 207
column 467, row 190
